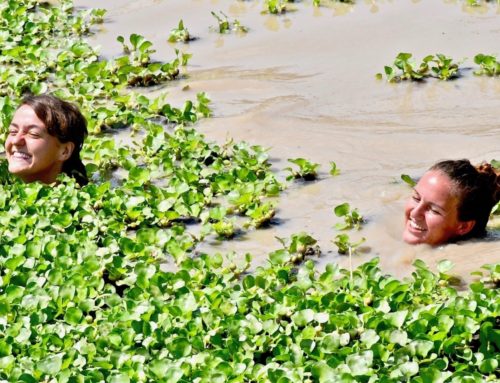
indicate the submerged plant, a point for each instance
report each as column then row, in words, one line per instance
column 179, row 34
column 334, row 170
column 226, row 26
column 276, row 7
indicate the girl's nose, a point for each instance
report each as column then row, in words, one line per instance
column 418, row 210
column 19, row 138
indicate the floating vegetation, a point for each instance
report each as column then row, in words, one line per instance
column 180, row 34
column 405, row 68
column 224, row 25
column 307, row 170
column 352, row 218
column 489, row 64
column 276, row 7
column 408, row 180
column 84, row 296
column 334, row 170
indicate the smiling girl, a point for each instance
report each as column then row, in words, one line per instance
column 452, row 201
column 45, row 137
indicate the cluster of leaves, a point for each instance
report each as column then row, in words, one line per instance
column 72, row 311
column 439, row 66
column 489, row 65
column 224, row 25
column 66, row 65
column 180, row 34
column 307, row 170
column 170, row 173
column 352, row 220
column 84, row 296
column 404, row 68
column 276, row 7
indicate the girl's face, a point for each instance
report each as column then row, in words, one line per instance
column 431, row 214
column 33, row 154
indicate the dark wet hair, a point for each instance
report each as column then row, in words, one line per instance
column 478, row 191
column 64, row 121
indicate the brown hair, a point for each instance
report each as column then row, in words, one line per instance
column 477, row 188
column 64, row 121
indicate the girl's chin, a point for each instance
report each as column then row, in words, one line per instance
column 413, row 238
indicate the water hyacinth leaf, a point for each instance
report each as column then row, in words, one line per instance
column 179, row 347
column 330, row 343
column 360, row 364
column 397, row 318
column 303, row 317
column 119, row 378
column 73, row 315
column 279, row 257
column 399, row 337
column 51, row 365
column 323, row 372
column 342, row 209
column 488, row 366
column 369, row 338
column 444, row 266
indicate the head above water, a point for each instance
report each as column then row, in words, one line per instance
column 45, row 138
column 452, row 201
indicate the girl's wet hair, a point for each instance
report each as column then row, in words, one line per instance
column 477, row 188
column 64, row 121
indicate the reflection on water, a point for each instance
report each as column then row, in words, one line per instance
column 304, row 85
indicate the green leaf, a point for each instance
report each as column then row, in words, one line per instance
column 51, row 365
column 180, row 347
column 303, row 317
column 407, row 179
column 342, row 209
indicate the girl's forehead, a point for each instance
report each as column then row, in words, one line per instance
column 25, row 115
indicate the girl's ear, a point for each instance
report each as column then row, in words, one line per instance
column 464, row 227
column 66, row 150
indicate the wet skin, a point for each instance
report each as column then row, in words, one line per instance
column 34, row 154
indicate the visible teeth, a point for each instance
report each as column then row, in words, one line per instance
column 21, row 155
column 414, row 225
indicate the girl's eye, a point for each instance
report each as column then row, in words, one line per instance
column 435, row 211
column 12, row 132
column 416, row 198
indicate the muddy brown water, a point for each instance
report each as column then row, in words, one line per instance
column 303, row 84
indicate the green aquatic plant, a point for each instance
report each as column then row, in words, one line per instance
column 408, row 180
column 139, row 49
column 276, row 7
column 345, row 245
column 444, row 68
column 334, row 170
column 489, row 65
column 224, row 25
column 87, row 293
column 307, row 170
column 405, row 68
column 179, row 34
column 352, row 218
column 260, row 214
